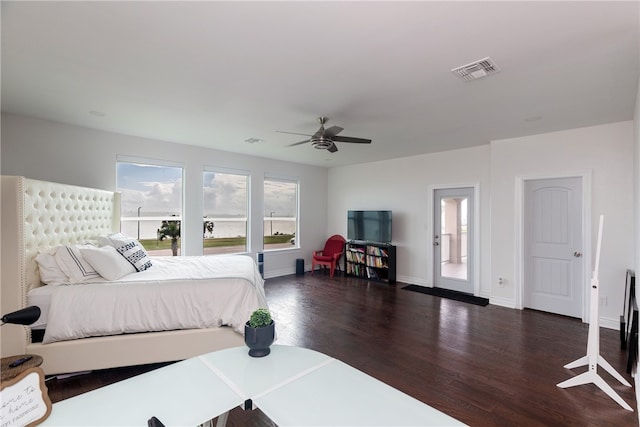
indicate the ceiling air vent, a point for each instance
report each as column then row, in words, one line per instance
column 477, row 69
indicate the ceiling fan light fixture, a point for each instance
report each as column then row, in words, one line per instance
column 321, row 143
column 324, row 139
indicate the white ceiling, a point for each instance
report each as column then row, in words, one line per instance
column 215, row 74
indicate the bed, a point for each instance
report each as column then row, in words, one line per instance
column 38, row 216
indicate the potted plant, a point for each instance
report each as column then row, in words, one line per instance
column 259, row 332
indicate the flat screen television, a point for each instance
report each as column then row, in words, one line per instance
column 370, row 226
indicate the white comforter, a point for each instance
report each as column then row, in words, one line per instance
column 176, row 293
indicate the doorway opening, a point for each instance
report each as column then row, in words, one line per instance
column 454, row 238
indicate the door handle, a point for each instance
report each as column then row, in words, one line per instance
column 577, row 254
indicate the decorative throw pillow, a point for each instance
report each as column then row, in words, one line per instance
column 72, row 263
column 50, row 272
column 129, row 248
column 107, row 262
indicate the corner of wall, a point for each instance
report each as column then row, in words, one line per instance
column 636, row 139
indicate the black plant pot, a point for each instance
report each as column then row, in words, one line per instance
column 259, row 339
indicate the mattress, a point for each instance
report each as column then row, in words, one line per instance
column 176, row 293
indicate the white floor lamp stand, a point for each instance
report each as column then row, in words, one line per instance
column 593, row 358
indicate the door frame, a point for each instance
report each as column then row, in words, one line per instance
column 586, row 233
column 475, row 274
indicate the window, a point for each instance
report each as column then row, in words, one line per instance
column 280, row 213
column 151, row 205
column 225, row 206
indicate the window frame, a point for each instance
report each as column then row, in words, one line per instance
column 152, row 162
column 296, row 182
column 239, row 172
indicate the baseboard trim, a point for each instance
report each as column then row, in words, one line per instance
column 502, row 302
column 413, row 280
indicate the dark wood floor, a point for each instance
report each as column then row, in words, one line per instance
column 486, row 366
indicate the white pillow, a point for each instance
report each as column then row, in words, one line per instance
column 111, row 239
column 50, row 272
column 129, row 248
column 72, row 263
column 107, row 262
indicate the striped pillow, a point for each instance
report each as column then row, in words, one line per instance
column 72, row 263
column 129, row 248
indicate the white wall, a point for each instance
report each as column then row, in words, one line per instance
column 55, row 152
column 607, row 152
column 50, row 151
column 636, row 180
column 403, row 186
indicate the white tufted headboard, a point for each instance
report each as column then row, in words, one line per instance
column 37, row 215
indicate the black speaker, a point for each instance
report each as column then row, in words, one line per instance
column 300, row 267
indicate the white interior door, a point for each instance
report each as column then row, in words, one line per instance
column 453, row 239
column 553, row 262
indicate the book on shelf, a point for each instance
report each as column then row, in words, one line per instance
column 372, row 273
column 355, row 257
column 378, row 262
column 370, row 260
column 377, row 251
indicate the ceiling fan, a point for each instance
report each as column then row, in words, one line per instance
column 324, row 139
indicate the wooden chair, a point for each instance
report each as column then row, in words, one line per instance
column 330, row 255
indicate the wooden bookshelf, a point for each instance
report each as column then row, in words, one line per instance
column 371, row 261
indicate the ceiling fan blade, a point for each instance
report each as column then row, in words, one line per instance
column 351, row 139
column 326, row 138
column 333, row 131
column 298, row 143
column 293, row 133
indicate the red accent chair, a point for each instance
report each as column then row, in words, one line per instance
column 330, row 255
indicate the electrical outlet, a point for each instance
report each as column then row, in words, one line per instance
column 603, row 301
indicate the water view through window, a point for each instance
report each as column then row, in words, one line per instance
column 152, row 211
column 225, row 206
column 280, row 213
column 151, row 194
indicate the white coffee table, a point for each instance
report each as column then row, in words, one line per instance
column 293, row 386
column 183, row 393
